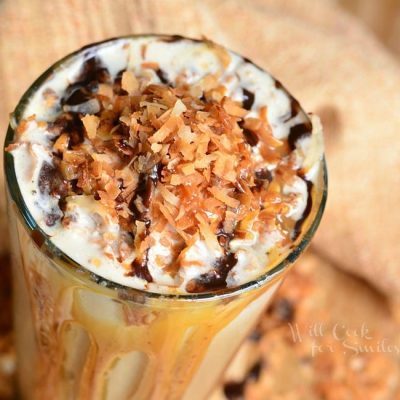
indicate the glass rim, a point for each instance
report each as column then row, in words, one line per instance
column 67, row 263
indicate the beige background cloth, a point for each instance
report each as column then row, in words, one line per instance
column 324, row 57
column 336, row 68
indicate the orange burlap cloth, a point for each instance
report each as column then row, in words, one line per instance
column 327, row 60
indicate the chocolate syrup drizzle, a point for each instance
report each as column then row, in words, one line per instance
column 251, row 137
column 162, row 75
column 214, row 279
column 52, row 183
column 262, row 176
column 91, row 74
column 178, row 38
column 298, row 132
column 172, row 38
column 145, row 190
column 307, row 210
column 249, row 98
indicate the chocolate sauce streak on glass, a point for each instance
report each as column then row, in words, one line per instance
column 248, row 100
column 297, row 132
column 234, row 390
column 92, row 73
column 215, row 279
column 306, row 213
column 162, row 75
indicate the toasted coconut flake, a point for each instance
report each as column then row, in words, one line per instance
column 69, row 171
column 171, row 221
column 96, row 262
column 233, row 108
column 74, row 157
column 150, row 65
column 208, row 82
column 125, row 120
column 222, row 54
column 188, row 169
column 264, row 113
column 188, row 151
column 156, row 106
column 169, row 196
column 61, row 144
column 177, row 180
column 205, row 161
column 221, row 195
column 91, row 123
column 156, row 147
column 186, row 134
column 165, row 130
column 129, row 82
column 105, row 90
column 208, row 234
column 179, row 108
column 185, row 222
column 112, row 189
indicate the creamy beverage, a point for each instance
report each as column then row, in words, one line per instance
column 164, row 185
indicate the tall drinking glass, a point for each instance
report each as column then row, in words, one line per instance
column 80, row 336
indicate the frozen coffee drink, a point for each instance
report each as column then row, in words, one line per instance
column 159, row 189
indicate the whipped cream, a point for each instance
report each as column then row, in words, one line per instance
column 80, row 226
